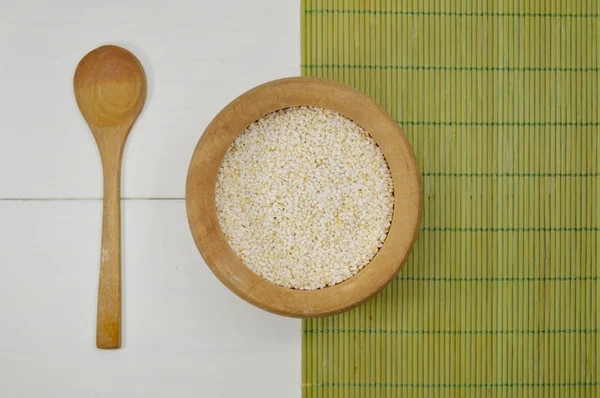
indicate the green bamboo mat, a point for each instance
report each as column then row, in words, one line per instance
column 499, row 100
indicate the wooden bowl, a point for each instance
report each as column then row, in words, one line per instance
column 202, row 213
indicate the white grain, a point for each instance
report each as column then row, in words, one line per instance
column 305, row 197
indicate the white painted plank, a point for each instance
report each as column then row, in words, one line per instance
column 185, row 334
column 198, row 56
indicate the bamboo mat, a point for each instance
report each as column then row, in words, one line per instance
column 499, row 100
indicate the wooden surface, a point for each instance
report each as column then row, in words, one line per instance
column 110, row 89
column 201, row 207
column 184, row 334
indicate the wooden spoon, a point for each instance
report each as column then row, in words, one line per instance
column 110, row 88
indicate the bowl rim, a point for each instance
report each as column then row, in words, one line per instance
column 201, row 205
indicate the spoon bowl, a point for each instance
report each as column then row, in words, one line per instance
column 110, row 86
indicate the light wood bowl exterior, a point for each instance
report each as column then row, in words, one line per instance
column 201, row 206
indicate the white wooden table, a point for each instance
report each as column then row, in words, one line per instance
column 185, row 334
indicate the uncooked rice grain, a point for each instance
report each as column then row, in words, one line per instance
column 305, row 197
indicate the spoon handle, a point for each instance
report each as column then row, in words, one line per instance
column 108, row 324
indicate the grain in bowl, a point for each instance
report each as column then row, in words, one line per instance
column 305, row 197
column 201, row 186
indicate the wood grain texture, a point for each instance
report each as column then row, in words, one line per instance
column 110, row 88
column 201, row 208
column 179, row 321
